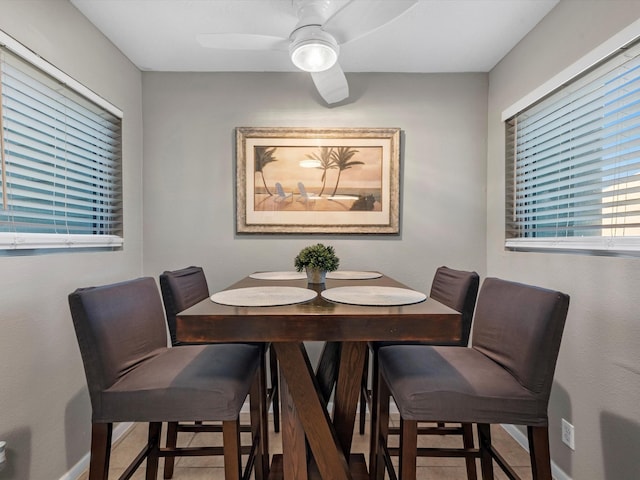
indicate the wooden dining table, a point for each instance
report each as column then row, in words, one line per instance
column 307, row 425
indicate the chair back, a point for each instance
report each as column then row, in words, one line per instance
column 457, row 289
column 520, row 327
column 280, row 190
column 118, row 326
column 302, row 189
column 180, row 290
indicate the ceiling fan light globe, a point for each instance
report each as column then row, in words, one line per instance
column 314, row 57
column 313, row 50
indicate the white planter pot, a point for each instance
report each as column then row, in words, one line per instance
column 315, row 276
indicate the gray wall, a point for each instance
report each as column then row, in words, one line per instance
column 189, row 176
column 597, row 383
column 44, row 404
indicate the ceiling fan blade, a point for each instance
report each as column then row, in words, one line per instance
column 360, row 17
column 331, row 84
column 242, row 41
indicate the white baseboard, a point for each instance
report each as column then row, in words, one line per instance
column 79, row 468
column 521, row 438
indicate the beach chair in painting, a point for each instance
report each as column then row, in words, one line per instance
column 306, row 197
column 281, row 195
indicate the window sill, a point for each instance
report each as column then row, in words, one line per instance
column 613, row 246
column 40, row 241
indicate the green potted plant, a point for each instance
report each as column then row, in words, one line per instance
column 317, row 260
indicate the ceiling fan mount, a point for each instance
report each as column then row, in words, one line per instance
column 311, row 12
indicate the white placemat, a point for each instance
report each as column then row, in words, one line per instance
column 373, row 295
column 279, row 275
column 352, row 275
column 263, row 296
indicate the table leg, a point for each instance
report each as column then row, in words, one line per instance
column 293, row 439
column 303, row 388
column 347, row 393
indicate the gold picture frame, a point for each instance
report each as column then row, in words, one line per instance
column 317, row 180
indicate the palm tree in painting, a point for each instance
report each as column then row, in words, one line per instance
column 263, row 157
column 342, row 161
column 325, row 157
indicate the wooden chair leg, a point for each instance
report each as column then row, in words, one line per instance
column 408, row 449
column 379, row 428
column 327, row 369
column 363, row 409
column 153, row 442
column 539, row 452
column 467, row 440
column 172, row 442
column 486, row 461
column 259, row 427
column 100, row 450
column 376, row 428
column 364, row 393
column 275, row 391
column 231, row 442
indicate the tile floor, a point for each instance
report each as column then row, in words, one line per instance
column 199, row 468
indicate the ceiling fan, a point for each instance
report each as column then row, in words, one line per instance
column 314, row 43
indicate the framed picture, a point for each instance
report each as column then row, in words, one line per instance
column 317, row 180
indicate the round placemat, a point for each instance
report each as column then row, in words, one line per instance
column 263, row 296
column 352, row 275
column 279, row 275
column 373, row 295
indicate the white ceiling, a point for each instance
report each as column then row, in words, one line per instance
column 432, row 36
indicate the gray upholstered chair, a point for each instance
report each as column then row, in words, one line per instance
column 505, row 377
column 182, row 289
column 133, row 376
column 457, row 289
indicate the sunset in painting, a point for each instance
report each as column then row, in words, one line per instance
column 324, row 178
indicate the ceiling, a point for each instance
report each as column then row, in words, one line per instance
column 432, row 36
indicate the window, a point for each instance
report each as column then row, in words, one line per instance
column 60, row 158
column 573, row 163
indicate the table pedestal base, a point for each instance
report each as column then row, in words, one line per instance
column 357, row 467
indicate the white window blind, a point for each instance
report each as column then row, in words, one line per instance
column 573, row 163
column 60, row 163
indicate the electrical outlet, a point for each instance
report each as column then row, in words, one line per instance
column 567, row 434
